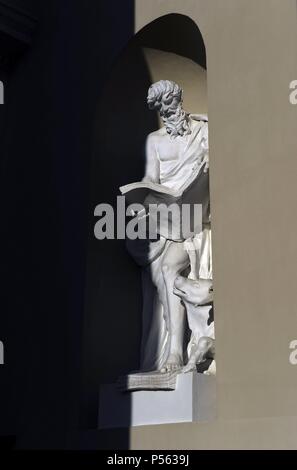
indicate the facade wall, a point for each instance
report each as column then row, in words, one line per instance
column 50, row 124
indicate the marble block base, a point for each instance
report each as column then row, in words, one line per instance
column 194, row 399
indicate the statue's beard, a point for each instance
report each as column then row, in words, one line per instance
column 177, row 124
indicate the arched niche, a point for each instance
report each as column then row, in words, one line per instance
column 170, row 47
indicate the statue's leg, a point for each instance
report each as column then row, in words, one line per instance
column 174, row 260
column 193, row 246
column 155, row 329
column 148, row 294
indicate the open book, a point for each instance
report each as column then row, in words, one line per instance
column 179, row 225
column 195, row 190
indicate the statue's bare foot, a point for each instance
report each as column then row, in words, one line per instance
column 173, row 364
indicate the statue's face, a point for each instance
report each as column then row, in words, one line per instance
column 169, row 105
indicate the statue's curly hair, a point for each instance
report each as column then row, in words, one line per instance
column 164, row 96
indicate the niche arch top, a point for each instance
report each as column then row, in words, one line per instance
column 175, row 33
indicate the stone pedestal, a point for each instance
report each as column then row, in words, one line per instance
column 194, row 399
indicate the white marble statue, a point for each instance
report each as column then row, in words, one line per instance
column 172, row 154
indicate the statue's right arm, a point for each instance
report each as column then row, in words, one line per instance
column 152, row 168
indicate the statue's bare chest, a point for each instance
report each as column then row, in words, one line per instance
column 170, row 149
